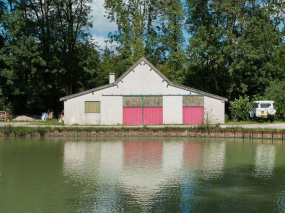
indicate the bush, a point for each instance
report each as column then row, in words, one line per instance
column 240, row 108
column 276, row 93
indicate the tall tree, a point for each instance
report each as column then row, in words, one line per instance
column 173, row 25
column 59, row 29
column 233, row 46
column 151, row 28
column 23, row 66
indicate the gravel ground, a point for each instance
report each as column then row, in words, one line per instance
column 260, row 126
column 26, row 118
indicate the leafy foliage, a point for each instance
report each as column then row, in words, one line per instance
column 46, row 52
column 150, row 28
column 230, row 48
column 276, row 92
column 240, row 108
column 234, row 45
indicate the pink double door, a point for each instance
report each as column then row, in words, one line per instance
column 147, row 111
column 193, row 110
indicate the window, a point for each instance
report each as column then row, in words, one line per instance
column 92, row 106
column 265, row 105
column 152, row 101
column 130, row 101
column 193, row 101
column 255, row 105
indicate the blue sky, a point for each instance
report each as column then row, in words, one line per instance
column 101, row 25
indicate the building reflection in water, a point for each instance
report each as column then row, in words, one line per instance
column 192, row 155
column 172, row 157
column 74, row 158
column 111, row 160
column 264, row 161
column 192, row 159
column 140, row 168
column 214, row 160
column 81, row 160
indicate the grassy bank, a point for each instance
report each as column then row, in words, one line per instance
column 20, row 131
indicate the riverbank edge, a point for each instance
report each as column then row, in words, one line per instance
column 218, row 132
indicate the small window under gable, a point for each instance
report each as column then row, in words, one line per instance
column 92, row 106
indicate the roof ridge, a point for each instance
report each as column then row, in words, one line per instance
column 138, row 62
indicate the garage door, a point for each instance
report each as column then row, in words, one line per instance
column 193, row 110
column 132, row 109
column 142, row 110
column 152, row 110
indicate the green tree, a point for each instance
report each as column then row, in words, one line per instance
column 254, row 65
column 234, row 45
column 23, row 67
column 151, row 28
column 173, row 39
column 276, row 92
column 53, row 39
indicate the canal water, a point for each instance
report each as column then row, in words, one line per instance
column 141, row 175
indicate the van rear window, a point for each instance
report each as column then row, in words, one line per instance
column 265, row 105
column 255, row 105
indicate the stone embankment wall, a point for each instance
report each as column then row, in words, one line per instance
column 153, row 132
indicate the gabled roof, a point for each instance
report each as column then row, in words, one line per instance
column 143, row 61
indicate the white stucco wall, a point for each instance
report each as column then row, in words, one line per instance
column 215, row 110
column 74, row 112
column 143, row 81
column 172, row 110
column 111, row 110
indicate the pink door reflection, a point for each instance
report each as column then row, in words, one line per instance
column 192, row 154
column 137, row 153
column 152, row 115
column 153, row 152
column 193, row 115
column 133, row 153
column 132, row 115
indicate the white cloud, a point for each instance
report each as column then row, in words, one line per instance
column 101, row 42
column 101, row 25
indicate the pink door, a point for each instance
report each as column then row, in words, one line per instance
column 193, row 115
column 152, row 115
column 132, row 115
column 140, row 110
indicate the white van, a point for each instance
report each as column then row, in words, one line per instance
column 263, row 110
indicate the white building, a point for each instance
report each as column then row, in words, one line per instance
column 142, row 96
